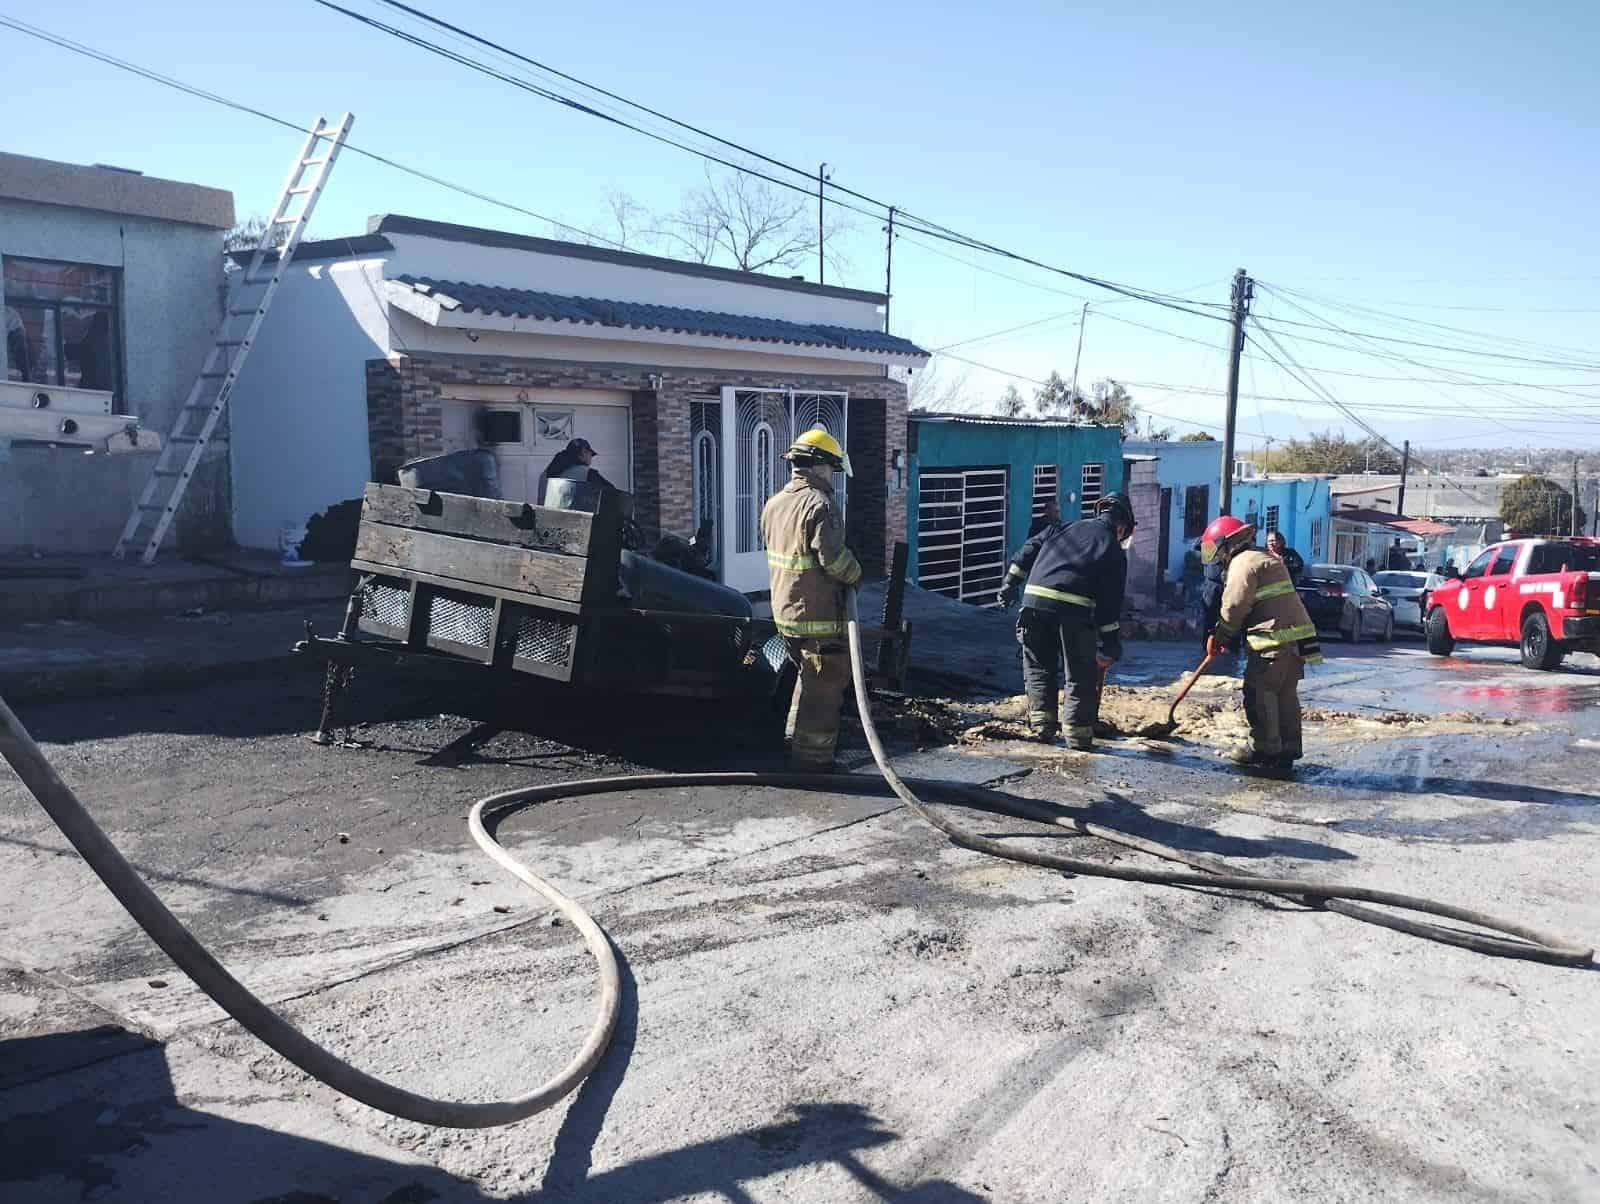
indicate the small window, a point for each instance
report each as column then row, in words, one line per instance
column 1272, row 519
column 1046, row 487
column 500, row 426
column 1504, row 561
column 1196, row 510
column 1479, row 566
column 62, row 324
column 1094, row 486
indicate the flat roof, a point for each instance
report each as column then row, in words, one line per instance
column 394, row 223
column 114, row 190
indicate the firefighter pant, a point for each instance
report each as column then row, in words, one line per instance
column 813, row 727
column 1272, row 704
column 1047, row 641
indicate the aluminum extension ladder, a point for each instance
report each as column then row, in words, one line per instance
column 191, row 434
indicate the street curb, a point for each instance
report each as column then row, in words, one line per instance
column 97, row 681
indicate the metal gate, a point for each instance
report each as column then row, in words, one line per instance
column 961, row 532
column 705, row 447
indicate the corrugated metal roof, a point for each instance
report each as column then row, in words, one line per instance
column 527, row 303
column 997, row 420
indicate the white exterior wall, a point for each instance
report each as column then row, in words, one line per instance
column 57, row 501
column 442, row 259
column 299, row 411
column 1180, row 466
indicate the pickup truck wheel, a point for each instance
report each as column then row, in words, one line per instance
column 1437, row 630
column 1539, row 650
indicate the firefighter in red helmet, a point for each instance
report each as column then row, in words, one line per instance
column 1261, row 608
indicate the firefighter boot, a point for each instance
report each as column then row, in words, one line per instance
column 1043, row 727
column 1080, row 738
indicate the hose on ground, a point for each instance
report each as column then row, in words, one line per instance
column 62, row 805
column 1530, row 943
column 142, row 903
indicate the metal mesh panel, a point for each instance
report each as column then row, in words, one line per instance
column 775, row 652
column 466, row 621
column 544, row 641
column 385, row 604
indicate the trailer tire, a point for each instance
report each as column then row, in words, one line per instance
column 1437, row 630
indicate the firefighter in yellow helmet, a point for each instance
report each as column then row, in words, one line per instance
column 810, row 566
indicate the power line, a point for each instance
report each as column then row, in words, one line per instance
column 168, row 81
column 922, row 225
column 995, row 334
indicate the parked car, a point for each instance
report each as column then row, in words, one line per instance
column 1408, row 592
column 1542, row 595
column 1345, row 599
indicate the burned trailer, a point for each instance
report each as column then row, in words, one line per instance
column 451, row 585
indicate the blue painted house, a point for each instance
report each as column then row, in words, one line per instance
column 1190, row 478
column 1299, row 506
column 977, row 484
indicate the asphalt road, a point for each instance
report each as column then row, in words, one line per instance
column 824, row 1001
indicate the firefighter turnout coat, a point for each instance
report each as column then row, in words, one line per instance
column 1076, row 572
column 1259, row 602
column 807, row 558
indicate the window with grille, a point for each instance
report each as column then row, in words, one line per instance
column 1046, row 486
column 1272, row 519
column 1094, row 486
column 961, row 532
column 1196, row 510
column 1315, row 551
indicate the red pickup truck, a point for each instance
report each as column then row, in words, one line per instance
column 1540, row 594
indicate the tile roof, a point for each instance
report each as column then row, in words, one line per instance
column 526, row 303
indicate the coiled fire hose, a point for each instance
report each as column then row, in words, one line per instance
column 63, row 806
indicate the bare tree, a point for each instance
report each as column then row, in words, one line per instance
column 752, row 225
column 934, row 390
column 627, row 224
column 246, row 234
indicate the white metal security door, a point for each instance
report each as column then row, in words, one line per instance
column 758, row 425
column 961, row 532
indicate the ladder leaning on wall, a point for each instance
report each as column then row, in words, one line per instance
column 207, row 401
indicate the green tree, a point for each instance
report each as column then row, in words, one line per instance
column 1535, row 505
column 1197, row 437
column 1113, row 405
column 1334, row 453
column 1012, row 403
column 1053, row 398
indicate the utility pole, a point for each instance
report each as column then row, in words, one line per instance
column 1405, row 463
column 1243, row 289
column 888, row 273
column 1574, row 496
column 1083, row 318
column 822, row 177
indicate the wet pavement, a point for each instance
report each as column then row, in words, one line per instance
column 823, row 1001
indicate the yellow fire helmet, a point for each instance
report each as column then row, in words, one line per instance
column 817, row 443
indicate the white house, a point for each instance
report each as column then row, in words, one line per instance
column 109, row 283
column 420, row 337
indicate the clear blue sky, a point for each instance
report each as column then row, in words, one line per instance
column 1432, row 160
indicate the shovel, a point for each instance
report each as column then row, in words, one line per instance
column 1169, row 725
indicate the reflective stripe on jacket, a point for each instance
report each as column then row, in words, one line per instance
column 807, row 558
column 1076, row 571
column 1260, row 601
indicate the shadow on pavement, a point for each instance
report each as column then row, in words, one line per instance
column 124, row 1136
column 119, row 1133
column 1115, row 811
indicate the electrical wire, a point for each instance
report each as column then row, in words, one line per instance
column 168, row 81
column 903, row 216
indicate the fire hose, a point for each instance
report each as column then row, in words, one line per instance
column 69, row 814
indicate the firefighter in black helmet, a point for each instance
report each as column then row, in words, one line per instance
column 1075, row 575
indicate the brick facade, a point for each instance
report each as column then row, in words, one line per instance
column 405, row 420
